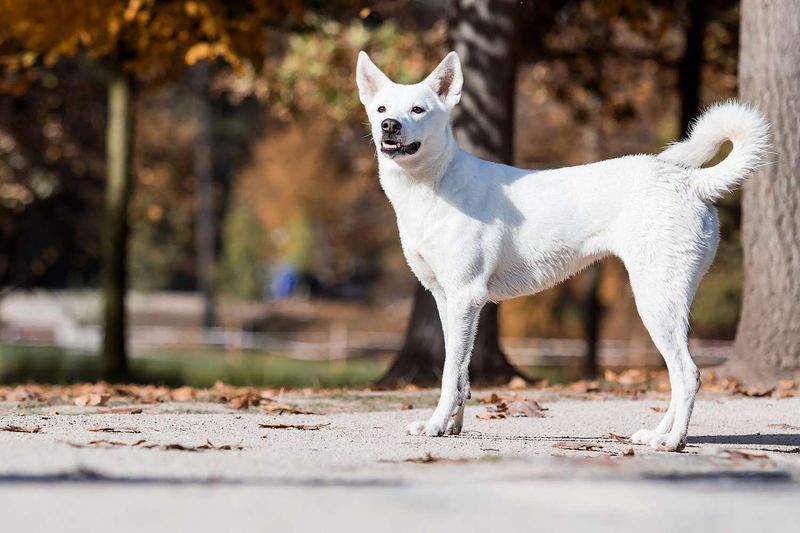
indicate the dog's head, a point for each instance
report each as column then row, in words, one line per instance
column 409, row 121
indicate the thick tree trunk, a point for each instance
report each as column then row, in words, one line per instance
column 483, row 33
column 768, row 339
column 205, row 256
column 119, row 142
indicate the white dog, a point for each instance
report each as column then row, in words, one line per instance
column 473, row 231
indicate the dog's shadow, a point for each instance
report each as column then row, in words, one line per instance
column 766, row 439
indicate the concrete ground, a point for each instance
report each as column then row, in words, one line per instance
column 359, row 472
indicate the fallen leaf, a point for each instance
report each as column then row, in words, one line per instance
column 20, row 429
column 239, row 402
column 406, row 407
column 91, row 399
column 282, row 408
column 629, row 453
column 183, row 394
column 785, row 426
column 741, row 454
column 19, row 394
column 658, row 409
column 488, row 415
column 306, row 427
column 517, row 383
column 525, row 408
column 120, row 411
column 582, row 446
column 755, row 392
column 618, row 438
column 114, row 430
column 427, row 458
column 492, row 398
column 784, row 394
column 98, row 443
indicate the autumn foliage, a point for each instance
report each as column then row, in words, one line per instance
column 152, row 38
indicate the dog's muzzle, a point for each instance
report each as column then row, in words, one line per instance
column 392, row 147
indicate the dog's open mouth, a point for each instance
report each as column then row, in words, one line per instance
column 392, row 147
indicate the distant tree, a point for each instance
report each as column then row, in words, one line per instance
column 133, row 43
column 768, row 338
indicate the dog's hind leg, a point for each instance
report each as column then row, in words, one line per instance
column 663, row 297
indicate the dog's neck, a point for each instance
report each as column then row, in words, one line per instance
column 427, row 168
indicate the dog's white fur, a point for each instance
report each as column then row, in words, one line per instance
column 474, row 231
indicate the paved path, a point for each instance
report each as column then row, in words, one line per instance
column 741, row 471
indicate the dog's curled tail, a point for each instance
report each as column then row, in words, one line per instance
column 744, row 126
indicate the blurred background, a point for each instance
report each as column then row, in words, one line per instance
column 188, row 192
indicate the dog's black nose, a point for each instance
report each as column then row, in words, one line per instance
column 390, row 125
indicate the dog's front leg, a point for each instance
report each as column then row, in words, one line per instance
column 462, row 311
column 457, row 418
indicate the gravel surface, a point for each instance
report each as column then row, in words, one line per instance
column 357, row 470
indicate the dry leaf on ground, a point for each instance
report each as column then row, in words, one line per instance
column 427, row 458
column 741, row 454
column 406, row 406
column 619, row 438
column 785, row 426
column 658, row 409
column 755, row 392
column 282, row 408
column 20, row 429
column 490, row 416
column 101, row 443
column 492, row 398
column 581, row 446
column 629, row 453
column 120, row 411
column 525, row 408
column 91, row 399
column 114, row 430
column 305, row 427
column 517, row 383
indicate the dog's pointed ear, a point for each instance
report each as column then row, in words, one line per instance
column 446, row 80
column 369, row 78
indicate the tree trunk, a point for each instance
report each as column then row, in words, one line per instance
column 483, row 33
column 119, row 143
column 593, row 310
column 205, row 257
column 768, row 338
column 691, row 64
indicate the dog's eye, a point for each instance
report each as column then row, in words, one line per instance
column 382, row 109
column 417, row 109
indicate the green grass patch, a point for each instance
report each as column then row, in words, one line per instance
column 23, row 364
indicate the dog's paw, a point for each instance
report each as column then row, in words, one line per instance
column 454, row 426
column 642, row 436
column 667, row 442
column 435, row 429
column 417, row 427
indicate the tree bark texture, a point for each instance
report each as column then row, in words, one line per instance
column 768, row 338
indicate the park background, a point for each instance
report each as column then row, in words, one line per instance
column 205, row 165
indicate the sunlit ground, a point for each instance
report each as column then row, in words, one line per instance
column 25, row 364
